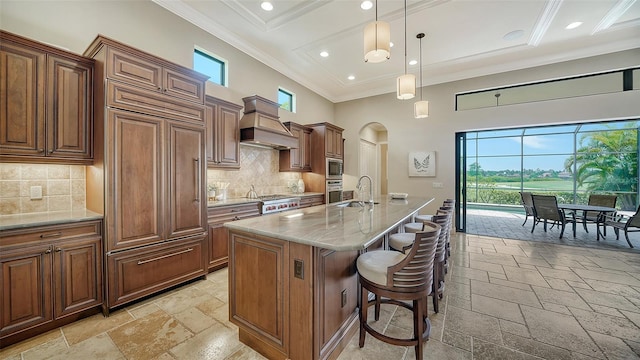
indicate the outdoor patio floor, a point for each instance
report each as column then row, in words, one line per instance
column 509, row 225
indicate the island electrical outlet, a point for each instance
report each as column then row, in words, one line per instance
column 298, row 268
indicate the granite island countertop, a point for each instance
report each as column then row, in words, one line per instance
column 10, row 222
column 332, row 226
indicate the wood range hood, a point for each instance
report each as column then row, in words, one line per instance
column 261, row 125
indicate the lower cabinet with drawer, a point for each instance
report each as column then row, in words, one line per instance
column 135, row 273
column 218, row 236
column 311, row 200
column 49, row 276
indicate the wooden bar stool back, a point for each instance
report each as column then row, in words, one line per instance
column 396, row 278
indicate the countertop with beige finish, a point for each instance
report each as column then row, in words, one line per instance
column 332, row 226
column 10, row 222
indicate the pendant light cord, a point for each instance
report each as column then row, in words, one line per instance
column 421, row 64
column 405, row 36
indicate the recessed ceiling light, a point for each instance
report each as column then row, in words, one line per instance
column 366, row 5
column 351, row 77
column 324, row 54
column 266, row 6
column 573, row 25
column 413, row 62
column 516, row 34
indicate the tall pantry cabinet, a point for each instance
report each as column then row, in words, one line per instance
column 149, row 170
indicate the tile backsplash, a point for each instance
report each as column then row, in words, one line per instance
column 258, row 167
column 63, row 188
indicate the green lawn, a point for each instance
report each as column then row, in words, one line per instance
column 560, row 185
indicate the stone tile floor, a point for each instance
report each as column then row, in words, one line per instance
column 504, row 299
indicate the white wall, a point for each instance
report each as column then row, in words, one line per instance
column 437, row 132
column 142, row 24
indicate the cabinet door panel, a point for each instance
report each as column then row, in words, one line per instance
column 69, row 108
column 22, row 102
column 336, row 276
column 186, row 180
column 229, row 144
column 337, row 144
column 183, row 86
column 211, row 121
column 25, row 277
column 133, row 70
column 77, row 275
column 305, row 156
column 136, row 185
column 218, row 246
column 296, row 154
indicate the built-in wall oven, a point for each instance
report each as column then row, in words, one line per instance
column 334, row 191
column 334, row 169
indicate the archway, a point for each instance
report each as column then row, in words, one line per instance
column 372, row 156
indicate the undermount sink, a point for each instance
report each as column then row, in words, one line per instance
column 353, row 204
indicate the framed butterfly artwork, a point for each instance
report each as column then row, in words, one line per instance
column 422, row 163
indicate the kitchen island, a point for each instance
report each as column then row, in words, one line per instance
column 292, row 275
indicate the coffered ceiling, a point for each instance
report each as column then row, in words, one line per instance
column 464, row 39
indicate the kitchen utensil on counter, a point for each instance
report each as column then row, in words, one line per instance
column 252, row 194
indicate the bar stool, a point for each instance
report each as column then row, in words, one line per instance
column 415, row 226
column 395, row 278
column 447, row 204
column 402, row 242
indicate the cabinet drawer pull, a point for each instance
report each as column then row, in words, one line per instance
column 164, row 256
column 58, row 249
column 48, row 251
column 43, row 236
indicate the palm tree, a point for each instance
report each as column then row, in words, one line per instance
column 607, row 161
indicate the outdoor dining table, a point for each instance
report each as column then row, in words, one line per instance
column 602, row 210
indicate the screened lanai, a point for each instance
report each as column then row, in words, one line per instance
column 570, row 162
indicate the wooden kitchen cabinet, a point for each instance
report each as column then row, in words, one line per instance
column 46, row 100
column 223, row 133
column 186, row 191
column 311, row 200
column 218, row 235
column 140, row 69
column 326, row 141
column 137, row 182
column 50, row 276
column 138, row 272
column 297, row 159
column 149, row 177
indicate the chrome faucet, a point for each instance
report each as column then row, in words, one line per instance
column 359, row 187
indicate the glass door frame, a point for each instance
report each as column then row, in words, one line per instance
column 461, row 182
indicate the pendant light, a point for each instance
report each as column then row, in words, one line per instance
column 421, row 108
column 406, row 87
column 377, row 40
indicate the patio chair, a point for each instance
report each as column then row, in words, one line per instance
column 594, row 217
column 545, row 208
column 620, row 223
column 527, row 202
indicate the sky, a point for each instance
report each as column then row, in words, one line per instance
column 544, row 148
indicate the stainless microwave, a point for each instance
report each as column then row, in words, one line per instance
column 334, row 169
